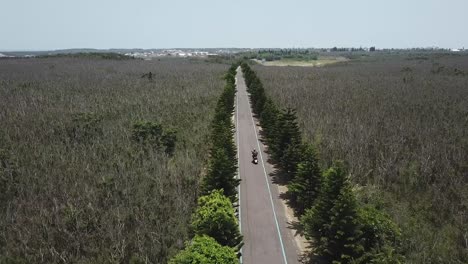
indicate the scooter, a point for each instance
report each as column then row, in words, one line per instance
column 255, row 160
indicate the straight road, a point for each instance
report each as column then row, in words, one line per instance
column 263, row 222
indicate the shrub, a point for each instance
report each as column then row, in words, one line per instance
column 85, row 127
column 205, row 250
column 215, row 217
column 153, row 134
column 380, row 237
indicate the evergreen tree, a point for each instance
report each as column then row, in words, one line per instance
column 260, row 102
column 287, row 134
column 332, row 223
column 291, row 157
column 257, row 95
column 221, row 174
column 223, row 137
column 305, row 187
column 316, row 217
column 269, row 121
column 343, row 232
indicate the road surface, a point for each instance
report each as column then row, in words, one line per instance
column 263, row 223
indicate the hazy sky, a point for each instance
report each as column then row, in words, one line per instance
column 58, row 24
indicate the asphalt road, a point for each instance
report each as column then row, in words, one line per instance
column 267, row 236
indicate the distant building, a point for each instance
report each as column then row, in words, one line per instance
column 5, row 56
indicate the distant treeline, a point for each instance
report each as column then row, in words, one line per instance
column 341, row 228
column 217, row 237
column 90, row 55
column 278, row 54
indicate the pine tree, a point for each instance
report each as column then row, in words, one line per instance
column 260, row 102
column 223, row 137
column 343, row 232
column 258, row 96
column 332, row 222
column 287, row 134
column 269, row 121
column 316, row 217
column 221, row 175
column 305, row 187
column 292, row 156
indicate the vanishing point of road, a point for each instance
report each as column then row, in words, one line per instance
column 263, row 222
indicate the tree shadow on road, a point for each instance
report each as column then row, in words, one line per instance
column 279, row 177
column 297, row 227
column 307, row 256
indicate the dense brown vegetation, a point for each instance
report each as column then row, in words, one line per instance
column 75, row 184
column 400, row 123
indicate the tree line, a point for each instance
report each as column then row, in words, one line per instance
column 340, row 227
column 278, row 54
column 215, row 227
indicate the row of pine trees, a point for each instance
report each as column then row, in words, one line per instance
column 340, row 228
column 215, row 226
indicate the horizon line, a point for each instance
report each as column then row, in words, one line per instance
column 244, row 48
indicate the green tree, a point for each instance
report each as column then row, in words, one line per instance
column 332, row 223
column 317, row 216
column 205, row 250
column 257, row 93
column 342, row 233
column 384, row 255
column 380, row 237
column 223, row 137
column 225, row 103
column 269, row 121
column 288, row 134
column 222, row 127
column 216, row 218
column 293, row 154
column 305, row 187
column 221, row 175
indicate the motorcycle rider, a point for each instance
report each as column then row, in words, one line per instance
column 254, row 154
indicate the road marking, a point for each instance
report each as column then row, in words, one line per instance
column 268, row 185
column 238, row 167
